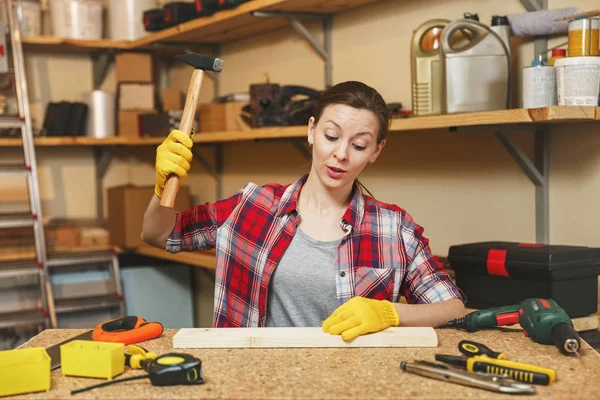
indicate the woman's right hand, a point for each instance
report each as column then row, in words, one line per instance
column 173, row 156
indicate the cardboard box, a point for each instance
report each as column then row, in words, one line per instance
column 130, row 124
column 126, row 208
column 221, row 116
column 136, row 96
column 172, row 99
column 133, row 67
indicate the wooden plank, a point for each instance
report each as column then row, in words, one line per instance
column 196, row 258
column 555, row 114
column 323, row 6
column 253, row 134
column 49, row 141
column 212, row 338
column 238, row 22
column 223, row 26
column 225, row 19
column 496, row 117
column 65, row 45
column 245, row 26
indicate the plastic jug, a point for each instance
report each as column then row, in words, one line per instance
column 425, row 68
column 475, row 71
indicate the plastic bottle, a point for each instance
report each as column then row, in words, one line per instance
column 556, row 54
column 539, row 85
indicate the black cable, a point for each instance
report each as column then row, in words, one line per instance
column 131, row 378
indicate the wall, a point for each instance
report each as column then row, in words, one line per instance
column 461, row 187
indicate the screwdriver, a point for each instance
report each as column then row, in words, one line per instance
column 516, row 370
column 470, row 348
column 135, row 355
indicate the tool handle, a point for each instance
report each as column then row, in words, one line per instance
column 518, row 371
column 470, row 349
column 187, row 120
column 128, row 330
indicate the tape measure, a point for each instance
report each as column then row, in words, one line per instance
column 175, row 369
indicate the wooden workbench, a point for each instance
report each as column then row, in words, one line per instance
column 333, row 373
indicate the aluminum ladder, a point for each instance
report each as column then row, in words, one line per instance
column 45, row 314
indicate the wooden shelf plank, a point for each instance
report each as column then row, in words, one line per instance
column 197, row 259
column 238, row 23
column 65, row 45
column 223, row 26
column 65, row 141
column 498, row 117
column 547, row 115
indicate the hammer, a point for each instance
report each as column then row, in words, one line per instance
column 200, row 63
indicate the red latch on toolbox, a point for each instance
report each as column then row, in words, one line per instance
column 496, row 263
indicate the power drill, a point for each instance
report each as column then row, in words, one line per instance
column 541, row 319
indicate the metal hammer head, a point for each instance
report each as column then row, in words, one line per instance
column 200, row 61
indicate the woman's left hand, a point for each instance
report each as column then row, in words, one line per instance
column 359, row 316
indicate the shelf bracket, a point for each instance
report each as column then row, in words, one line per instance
column 217, row 171
column 300, row 145
column 538, row 172
column 102, row 157
column 324, row 50
column 100, row 65
column 540, row 44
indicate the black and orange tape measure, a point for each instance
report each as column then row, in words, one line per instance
column 127, row 330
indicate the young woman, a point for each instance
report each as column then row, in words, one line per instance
column 317, row 252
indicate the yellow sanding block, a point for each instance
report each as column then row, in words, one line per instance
column 206, row 338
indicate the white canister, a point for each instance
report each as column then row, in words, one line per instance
column 101, row 114
column 577, row 81
column 77, row 19
column 539, row 86
column 29, row 15
column 126, row 18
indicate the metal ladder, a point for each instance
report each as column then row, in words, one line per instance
column 46, row 313
column 13, row 274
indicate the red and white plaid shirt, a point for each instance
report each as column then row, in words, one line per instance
column 383, row 254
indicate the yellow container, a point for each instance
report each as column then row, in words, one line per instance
column 584, row 37
column 24, row 371
column 92, row 359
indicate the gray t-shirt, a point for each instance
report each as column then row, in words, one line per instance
column 302, row 290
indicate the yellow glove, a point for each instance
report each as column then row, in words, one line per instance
column 173, row 156
column 359, row 316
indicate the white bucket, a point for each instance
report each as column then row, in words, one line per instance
column 577, row 81
column 29, row 15
column 126, row 18
column 77, row 19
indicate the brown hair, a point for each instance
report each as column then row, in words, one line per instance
column 357, row 95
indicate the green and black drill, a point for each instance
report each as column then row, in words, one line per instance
column 542, row 320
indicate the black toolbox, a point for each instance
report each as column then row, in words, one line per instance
column 493, row 274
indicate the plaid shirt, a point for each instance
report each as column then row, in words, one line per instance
column 383, row 254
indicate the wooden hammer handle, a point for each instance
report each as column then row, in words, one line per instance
column 187, row 120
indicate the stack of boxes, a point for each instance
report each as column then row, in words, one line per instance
column 135, row 91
